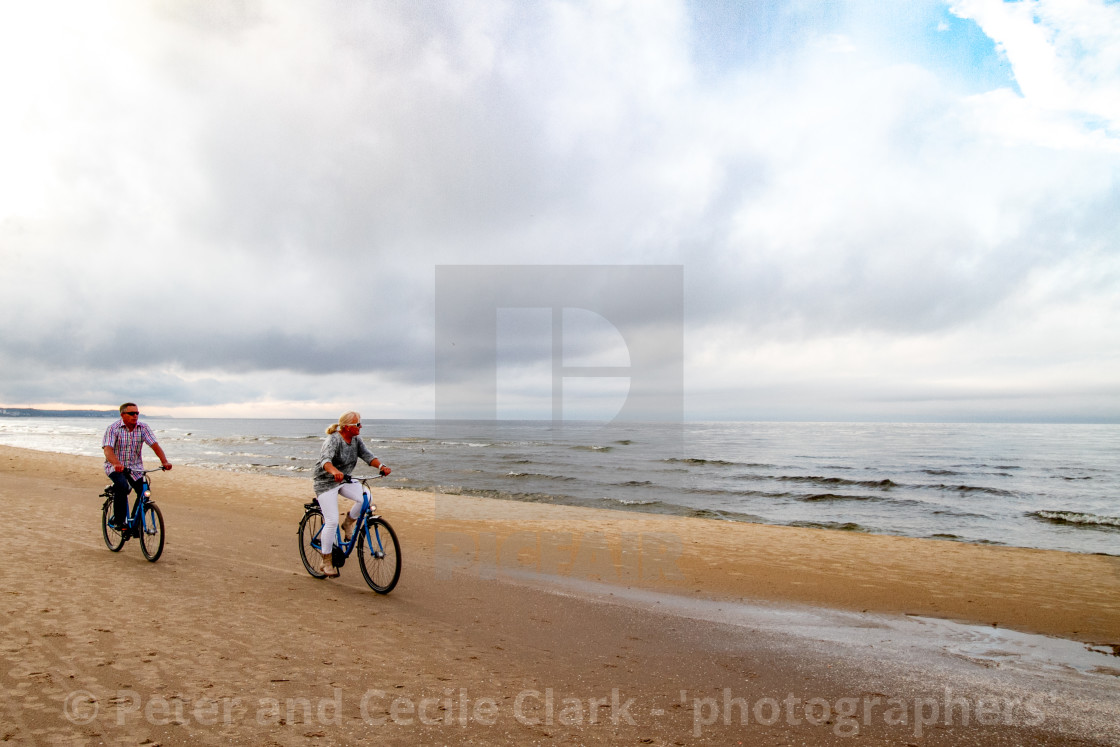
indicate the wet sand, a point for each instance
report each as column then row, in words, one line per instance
column 531, row 624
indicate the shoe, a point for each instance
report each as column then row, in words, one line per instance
column 328, row 568
column 347, row 527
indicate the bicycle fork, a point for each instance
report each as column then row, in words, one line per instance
column 377, row 550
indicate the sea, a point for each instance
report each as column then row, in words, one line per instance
column 1049, row 486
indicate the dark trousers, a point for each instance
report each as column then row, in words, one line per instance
column 121, row 483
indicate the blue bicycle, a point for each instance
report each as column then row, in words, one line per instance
column 145, row 521
column 379, row 552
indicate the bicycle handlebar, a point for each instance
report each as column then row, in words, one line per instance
column 361, row 478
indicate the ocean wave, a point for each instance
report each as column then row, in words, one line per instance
column 885, row 484
column 958, row 514
column 903, row 504
column 739, row 493
column 968, row 469
column 974, row 489
column 505, row 495
column 957, row 538
column 227, row 439
column 653, row 506
column 703, row 513
column 716, row 513
column 539, row 476
column 592, row 448
column 647, row 506
column 821, row 497
column 846, row 526
column 1078, row 519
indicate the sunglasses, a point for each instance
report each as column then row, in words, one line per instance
column 133, row 414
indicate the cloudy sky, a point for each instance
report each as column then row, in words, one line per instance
column 881, row 210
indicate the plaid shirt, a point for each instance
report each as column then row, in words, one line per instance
column 127, row 445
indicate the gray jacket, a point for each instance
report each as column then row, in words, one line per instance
column 344, row 456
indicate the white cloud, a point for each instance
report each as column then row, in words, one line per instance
column 1066, row 59
column 250, row 197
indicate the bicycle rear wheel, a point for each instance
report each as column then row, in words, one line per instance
column 114, row 538
column 381, row 564
column 151, row 532
column 309, row 529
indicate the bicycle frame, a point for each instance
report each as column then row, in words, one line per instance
column 367, row 518
column 360, row 528
column 144, row 521
column 374, row 542
column 136, row 515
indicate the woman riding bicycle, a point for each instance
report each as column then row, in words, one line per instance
column 341, row 451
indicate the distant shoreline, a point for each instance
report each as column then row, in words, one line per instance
column 31, row 412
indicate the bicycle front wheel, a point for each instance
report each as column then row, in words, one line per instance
column 151, row 532
column 114, row 538
column 381, row 563
column 309, row 530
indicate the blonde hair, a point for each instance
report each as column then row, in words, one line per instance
column 346, row 418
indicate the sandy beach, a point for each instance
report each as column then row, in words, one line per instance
column 532, row 624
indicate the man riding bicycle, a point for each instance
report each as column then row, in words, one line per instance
column 124, row 464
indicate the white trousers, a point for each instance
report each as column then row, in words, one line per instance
column 328, row 501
